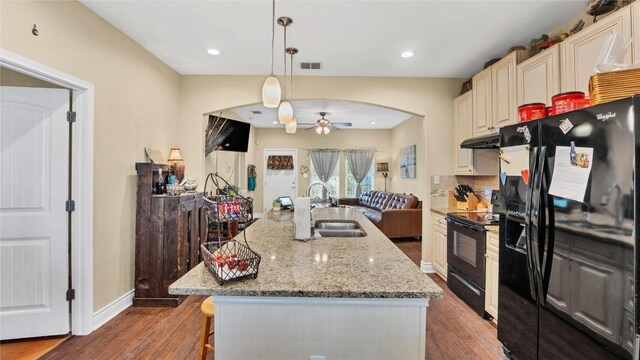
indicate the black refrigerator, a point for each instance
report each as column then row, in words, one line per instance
column 568, row 199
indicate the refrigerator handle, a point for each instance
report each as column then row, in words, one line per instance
column 550, row 229
column 527, row 224
column 538, row 219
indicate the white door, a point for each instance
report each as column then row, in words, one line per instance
column 34, row 260
column 279, row 182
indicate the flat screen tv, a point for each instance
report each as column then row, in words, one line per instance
column 226, row 135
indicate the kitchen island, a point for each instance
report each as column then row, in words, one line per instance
column 332, row 297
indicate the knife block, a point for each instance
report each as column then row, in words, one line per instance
column 470, row 205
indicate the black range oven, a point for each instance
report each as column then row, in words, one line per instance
column 466, row 249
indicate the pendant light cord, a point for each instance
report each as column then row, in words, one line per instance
column 285, row 62
column 273, row 33
column 291, row 79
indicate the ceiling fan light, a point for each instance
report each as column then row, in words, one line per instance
column 285, row 113
column 291, row 127
column 326, row 130
column 319, row 130
column 271, row 92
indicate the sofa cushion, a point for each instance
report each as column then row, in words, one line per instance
column 380, row 200
column 401, row 201
column 375, row 217
column 366, row 197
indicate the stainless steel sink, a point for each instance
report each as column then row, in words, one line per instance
column 604, row 228
column 337, row 225
column 342, row 233
column 332, row 228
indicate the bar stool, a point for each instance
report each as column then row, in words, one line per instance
column 208, row 311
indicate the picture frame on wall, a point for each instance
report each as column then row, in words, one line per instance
column 408, row 162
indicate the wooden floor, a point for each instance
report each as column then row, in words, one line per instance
column 454, row 331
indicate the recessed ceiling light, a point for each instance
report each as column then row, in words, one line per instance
column 274, row 122
column 373, row 123
column 407, row 54
column 213, row 52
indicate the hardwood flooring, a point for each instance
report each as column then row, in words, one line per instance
column 454, row 331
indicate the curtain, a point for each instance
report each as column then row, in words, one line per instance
column 324, row 162
column 359, row 164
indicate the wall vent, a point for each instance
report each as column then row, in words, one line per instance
column 310, row 65
column 256, row 112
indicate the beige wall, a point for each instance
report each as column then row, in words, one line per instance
column 10, row 77
column 302, row 140
column 429, row 97
column 406, row 134
column 136, row 105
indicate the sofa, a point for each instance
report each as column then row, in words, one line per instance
column 396, row 215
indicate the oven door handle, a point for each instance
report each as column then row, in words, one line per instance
column 466, row 283
column 476, row 229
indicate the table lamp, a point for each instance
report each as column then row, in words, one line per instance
column 178, row 163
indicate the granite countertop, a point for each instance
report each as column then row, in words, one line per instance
column 492, row 228
column 365, row 267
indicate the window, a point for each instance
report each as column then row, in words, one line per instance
column 334, row 183
column 367, row 183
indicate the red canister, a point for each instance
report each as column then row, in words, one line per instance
column 549, row 111
column 528, row 112
column 577, row 104
column 561, row 101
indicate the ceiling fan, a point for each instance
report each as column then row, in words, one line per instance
column 324, row 126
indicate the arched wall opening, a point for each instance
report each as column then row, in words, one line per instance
column 431, row 98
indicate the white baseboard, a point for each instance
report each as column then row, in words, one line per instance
column 110, row 311
column 258, row 215
column 427, row 267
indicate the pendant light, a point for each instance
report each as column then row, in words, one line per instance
column 271, row 91
column 291, row 127
column 285, row 110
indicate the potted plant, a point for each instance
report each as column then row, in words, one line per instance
column 277, row 205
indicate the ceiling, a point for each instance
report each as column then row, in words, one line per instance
column 361, row 115
column 350, row 38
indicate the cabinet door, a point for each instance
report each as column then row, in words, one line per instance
column 635, row 20
column 579, row 53
column 440, row 250
column 503, row 95
column 492, row 272
column 462, row 114
column 538, row 78
column 481, row 108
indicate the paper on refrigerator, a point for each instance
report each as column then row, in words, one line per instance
column 572, row 169
column 514, row 161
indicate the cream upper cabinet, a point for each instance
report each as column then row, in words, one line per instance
column 504, row 110
column 481, row 94
column 635, row 20
column 492, row 272
column 538, row 78
column 463, row 114
column 439, row 244
column 579, row 53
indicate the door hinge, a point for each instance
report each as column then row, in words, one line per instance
column 71, row 294
column 71, row 116
column 70, row 206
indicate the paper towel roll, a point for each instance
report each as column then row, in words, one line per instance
column 302, row 218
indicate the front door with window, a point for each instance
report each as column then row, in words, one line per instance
column 34, row 178
column 279, row 182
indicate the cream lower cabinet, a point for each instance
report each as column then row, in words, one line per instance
column 439, row 243
column 492, row 272
column 538, row 78
column 635, row 20
column 579, row 53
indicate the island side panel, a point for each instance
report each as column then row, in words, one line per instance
column 336, row 328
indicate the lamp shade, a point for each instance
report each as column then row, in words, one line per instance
column 175, row 156
column 271, row 92
column 383, row 166
column 319, row 130
column 285, row 113
column 326, row 130
column 291, row 127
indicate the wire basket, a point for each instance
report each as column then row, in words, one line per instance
column 229, row 260
column 228, row 208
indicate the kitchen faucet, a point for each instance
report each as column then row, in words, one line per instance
column 326, row 188
column 604, row 201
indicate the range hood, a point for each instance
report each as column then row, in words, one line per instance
column 482, row 142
